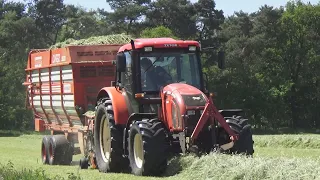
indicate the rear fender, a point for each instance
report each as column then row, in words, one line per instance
column 230, row 112
column 134, row 117
column 120, row 109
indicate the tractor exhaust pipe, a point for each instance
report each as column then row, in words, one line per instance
column 132, row 45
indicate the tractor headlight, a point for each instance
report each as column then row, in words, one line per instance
column 192, row 48
column 175, row 115
column 147, row 49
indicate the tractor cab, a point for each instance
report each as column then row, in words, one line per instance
column 145, row 66
column 165, row 66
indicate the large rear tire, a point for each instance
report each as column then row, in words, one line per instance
column 108, row 140
column 241, row 127
column 148, row 147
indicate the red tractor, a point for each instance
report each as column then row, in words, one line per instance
column 159, row 105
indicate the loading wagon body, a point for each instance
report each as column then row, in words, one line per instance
column 62, row 85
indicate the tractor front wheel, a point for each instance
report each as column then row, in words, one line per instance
column 148, row 147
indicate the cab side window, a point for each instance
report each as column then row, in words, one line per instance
column 126, row 77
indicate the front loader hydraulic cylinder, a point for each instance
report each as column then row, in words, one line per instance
column 210, row 111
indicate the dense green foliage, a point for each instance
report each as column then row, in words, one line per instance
column 272, row 55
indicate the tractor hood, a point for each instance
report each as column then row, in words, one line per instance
column 186, row 94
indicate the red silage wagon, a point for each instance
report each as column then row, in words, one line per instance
column 62, row 84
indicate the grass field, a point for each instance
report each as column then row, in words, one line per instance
column 276, row 157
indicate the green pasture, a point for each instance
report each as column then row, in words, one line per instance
column 276, row 157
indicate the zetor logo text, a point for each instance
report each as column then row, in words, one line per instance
column 196, row 98
column 170, row 45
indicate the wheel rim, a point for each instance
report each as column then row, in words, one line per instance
column 138, row 150
column 105, row 140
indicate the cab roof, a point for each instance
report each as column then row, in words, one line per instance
column 159, row 43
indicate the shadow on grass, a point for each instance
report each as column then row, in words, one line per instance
column 15, row 133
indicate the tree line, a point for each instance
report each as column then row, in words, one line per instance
column 272, row 55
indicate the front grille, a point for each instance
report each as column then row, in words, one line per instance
column 191, row 122
column 194, row 100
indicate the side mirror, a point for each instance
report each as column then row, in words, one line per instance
column 221, row 60
column 121, row 62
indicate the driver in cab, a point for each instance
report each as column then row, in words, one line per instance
column 155, row 76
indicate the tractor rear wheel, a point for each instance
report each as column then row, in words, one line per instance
column 148, row 147
column 241, row 127
column 108, row 140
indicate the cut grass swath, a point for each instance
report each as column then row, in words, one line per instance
column 217, row 166
column 96, row 40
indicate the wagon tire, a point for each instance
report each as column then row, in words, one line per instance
column 84, row 163
column 45, row 149
column 60, row 150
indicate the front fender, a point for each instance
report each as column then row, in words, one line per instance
column 120, row 109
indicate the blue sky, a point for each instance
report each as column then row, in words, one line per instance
column 228, row 6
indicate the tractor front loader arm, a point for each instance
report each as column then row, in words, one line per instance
column 211, row 112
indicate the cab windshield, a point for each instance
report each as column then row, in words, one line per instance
column 159, row 69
